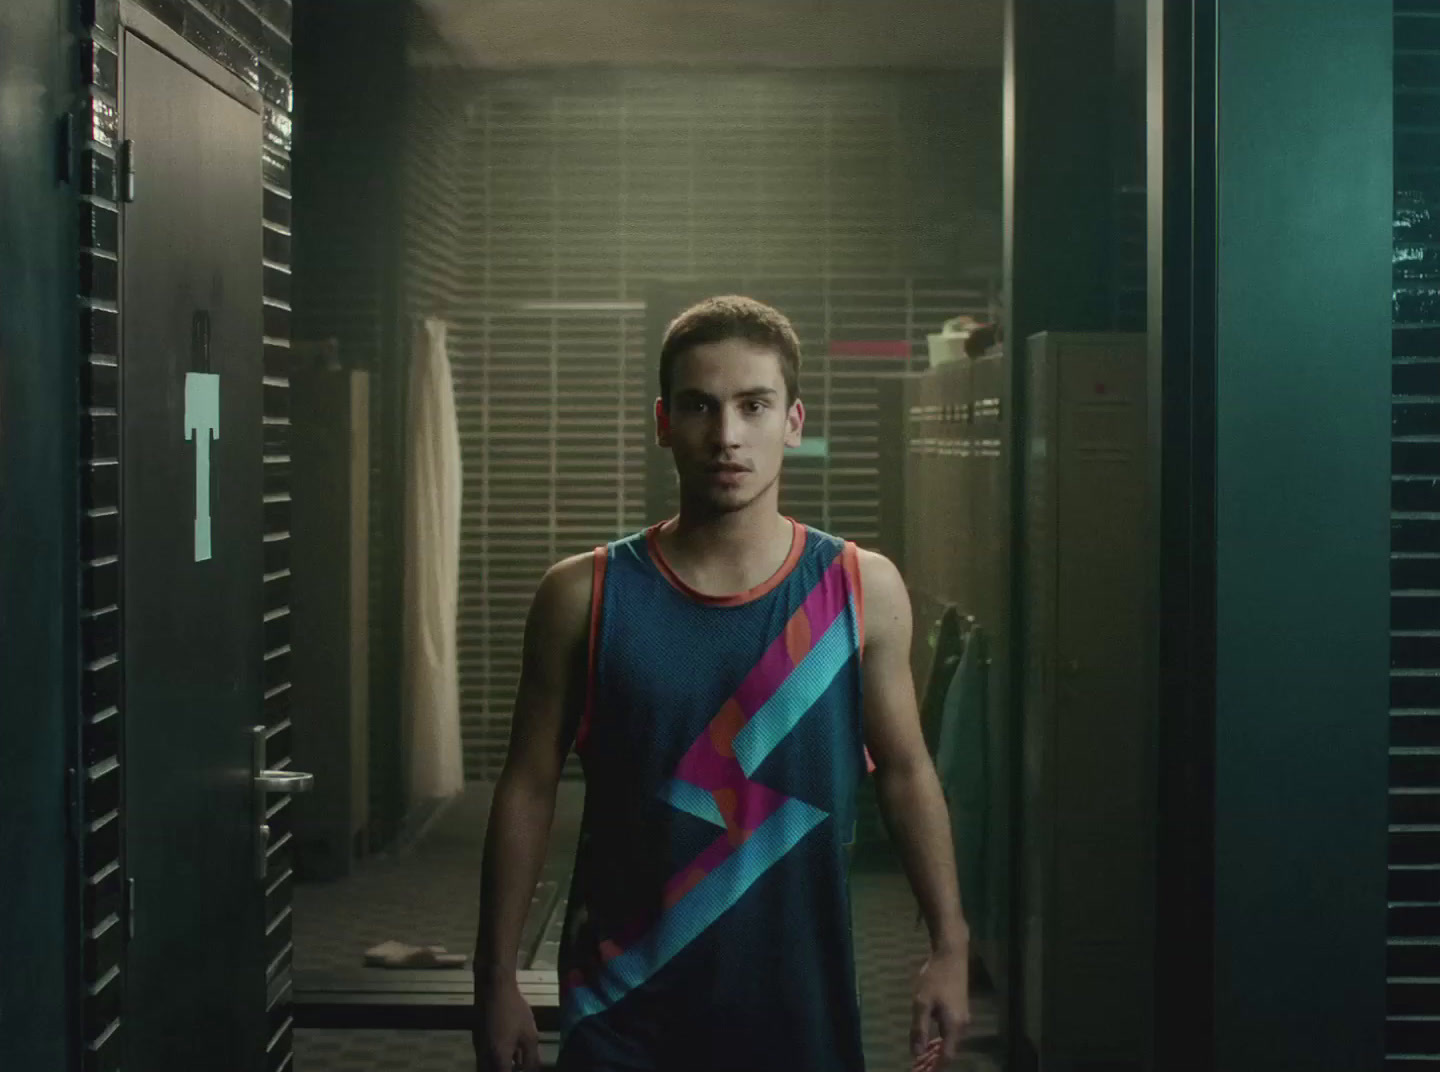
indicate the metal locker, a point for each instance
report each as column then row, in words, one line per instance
column 953, row 499
column 989, row 493
column 1086, row 732
column 916, row 533
column 989, row 582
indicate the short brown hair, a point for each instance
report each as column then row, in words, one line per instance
column 731, row 317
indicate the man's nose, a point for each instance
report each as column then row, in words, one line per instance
column 727, row 427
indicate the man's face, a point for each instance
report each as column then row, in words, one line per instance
column 728, row 424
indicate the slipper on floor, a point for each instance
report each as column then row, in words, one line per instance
column 393, row 954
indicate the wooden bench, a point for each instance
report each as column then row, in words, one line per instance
column 418, row 1001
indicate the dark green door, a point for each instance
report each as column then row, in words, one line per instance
column 192, row 563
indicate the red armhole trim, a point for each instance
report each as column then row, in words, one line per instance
column 851, row 559
column 852, row 570
column 597, row 591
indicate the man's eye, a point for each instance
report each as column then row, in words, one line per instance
column 754, row 406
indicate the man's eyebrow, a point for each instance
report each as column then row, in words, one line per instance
column 749, row 392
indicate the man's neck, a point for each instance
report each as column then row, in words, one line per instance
column 723, row 552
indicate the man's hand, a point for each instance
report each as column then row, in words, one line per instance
column 942, row 997
column 504, row 1033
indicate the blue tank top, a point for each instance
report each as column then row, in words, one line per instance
column 709, row 926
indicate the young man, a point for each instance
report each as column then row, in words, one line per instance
column 709, row 673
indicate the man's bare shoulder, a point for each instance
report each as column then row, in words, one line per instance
column 562, row 601
column 887, row 600
column 574, row 572
column 879, row 575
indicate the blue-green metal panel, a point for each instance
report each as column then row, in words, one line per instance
column 1303, row 194
column 38, row 594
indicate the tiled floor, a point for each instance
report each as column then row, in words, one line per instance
column 449, row 1051
column 429, row 895
column 889, row 950
column 426, row 895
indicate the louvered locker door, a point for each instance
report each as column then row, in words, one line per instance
column 956, row 553
column 919, row 525
column 1413, row 990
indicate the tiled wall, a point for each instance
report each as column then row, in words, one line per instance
column 252, row 39
column 865, row 204
column 436, row 191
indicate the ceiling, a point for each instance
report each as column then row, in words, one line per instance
column 722, row 33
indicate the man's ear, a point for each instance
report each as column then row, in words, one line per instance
column 662, row 424
column 794, row 424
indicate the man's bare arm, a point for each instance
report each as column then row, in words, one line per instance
column 547, row 708
column 907, row 787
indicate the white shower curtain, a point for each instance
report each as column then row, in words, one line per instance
column 432, row 571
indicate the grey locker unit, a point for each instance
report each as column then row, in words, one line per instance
column 954, row 516
column 916, row 535
column 912, row 536
column 989, row 493
column 925, row 534
column 938, row 525
column 957, row 536
column 988, row 488
column 1086, row 945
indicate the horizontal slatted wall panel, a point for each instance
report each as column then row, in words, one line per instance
column 102, row 864
column 581, row 188
column 274, row 69
column 1413, row 1036
column 430, row 197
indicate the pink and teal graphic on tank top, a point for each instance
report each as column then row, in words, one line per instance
column 756, row 824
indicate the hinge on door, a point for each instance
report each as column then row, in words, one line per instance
column 127, row 170
column 72, row 804
column 130, row 908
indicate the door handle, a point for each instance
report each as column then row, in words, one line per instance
column 284, row 781
column 262, row 850
column 269, row 781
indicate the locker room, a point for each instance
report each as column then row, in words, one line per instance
column 327, row 329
